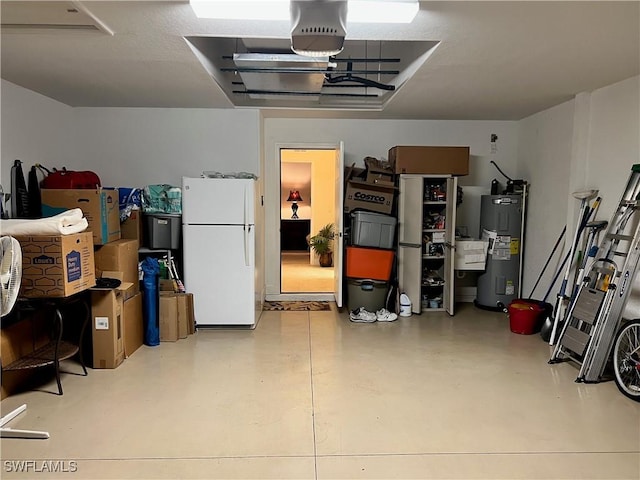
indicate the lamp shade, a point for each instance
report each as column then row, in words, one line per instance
column 294, row 196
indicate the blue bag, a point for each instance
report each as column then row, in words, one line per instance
column 151, row 271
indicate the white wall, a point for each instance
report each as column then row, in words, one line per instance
column 544, row 155
column 590, row 142
column 35, row 129
column 614, row 140
column 126, row 146
column 142, row 146
column 374, row 138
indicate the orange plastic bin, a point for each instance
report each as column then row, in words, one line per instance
column 371, row 263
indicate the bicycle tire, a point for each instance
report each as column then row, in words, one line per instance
column 626, row 359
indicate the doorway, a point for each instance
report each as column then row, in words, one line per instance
column 307, row 193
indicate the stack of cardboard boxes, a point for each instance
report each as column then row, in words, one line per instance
column 175, row 309
column 369, row 199
column 116, row 313
column 64, row 265
column 369, row 255
column 117, row 318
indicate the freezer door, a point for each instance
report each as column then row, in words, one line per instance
column 218, row 201
column 219, row 271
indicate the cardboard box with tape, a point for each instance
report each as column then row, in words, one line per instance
column 56, row 265
column 430, row 160
column 368, row 196
column 107, row 323
column 100, row 208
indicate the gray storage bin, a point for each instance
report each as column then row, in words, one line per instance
column 162, row 230
column 372, row 229
column 370, row 294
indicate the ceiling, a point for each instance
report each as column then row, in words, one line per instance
column 458, row 60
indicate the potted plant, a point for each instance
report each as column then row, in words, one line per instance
column 322, row 244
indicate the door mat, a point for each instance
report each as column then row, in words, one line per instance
column 298, row 306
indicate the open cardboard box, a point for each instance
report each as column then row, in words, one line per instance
column 176, row 316
column 379, row 172
column 100, row 208
column 107, row 322
column 119, row 256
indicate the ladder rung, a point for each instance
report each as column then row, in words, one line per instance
column 628, row 203
column 617, row 236
column 603, row 270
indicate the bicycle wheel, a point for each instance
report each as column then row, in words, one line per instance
column 626, row 360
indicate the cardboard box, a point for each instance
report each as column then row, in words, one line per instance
column 120, row 256
column 131, row 228
column 191, row 318
column 379, row 172
column 176, row 316
column 430, row 160
column 168, row 317
column 56, row 265
column 379, row 178
column 100, row 207
column 377, row 198
column 133, row 325
column 107, row 324
column 165, row 285
column 18, row 340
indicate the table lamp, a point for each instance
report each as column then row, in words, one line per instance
column 294, row 196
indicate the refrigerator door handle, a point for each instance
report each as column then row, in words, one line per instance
column 246, row 205
column 246, row 232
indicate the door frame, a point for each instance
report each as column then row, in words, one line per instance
column 272, row 223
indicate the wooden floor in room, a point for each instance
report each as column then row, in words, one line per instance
column 299, row 276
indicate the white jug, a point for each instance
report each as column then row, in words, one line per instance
column 405, row 305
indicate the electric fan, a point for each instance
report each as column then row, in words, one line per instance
column 10, row 276
column 10, row 272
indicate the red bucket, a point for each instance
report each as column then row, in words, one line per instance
column 524, row 316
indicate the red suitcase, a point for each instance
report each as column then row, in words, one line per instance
column 69, row 179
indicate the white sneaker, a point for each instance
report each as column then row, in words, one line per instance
column 385, row 315
column 361, row 315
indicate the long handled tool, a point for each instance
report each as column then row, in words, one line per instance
column 594, row 316
column 591, row 250
column 583, row 219
column 544, row 269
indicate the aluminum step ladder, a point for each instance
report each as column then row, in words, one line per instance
column 594, row 315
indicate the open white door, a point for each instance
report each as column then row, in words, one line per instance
column 449, row 293
column 339, row 223
column 410, row 239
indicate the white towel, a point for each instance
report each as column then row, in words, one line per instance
column 65, row 223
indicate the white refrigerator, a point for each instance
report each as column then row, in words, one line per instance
column 219, row 250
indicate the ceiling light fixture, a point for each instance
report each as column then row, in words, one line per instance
column 359, row 11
